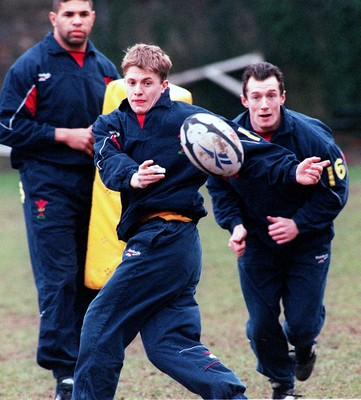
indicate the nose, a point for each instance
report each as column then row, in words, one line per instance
column 77, row 20
column 264, row 103
column 138, row 89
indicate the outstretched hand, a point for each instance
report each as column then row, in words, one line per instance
column 309, row 171
column 146, row 175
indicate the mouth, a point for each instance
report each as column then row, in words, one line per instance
column 77, row 33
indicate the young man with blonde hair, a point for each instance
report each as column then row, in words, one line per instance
column 152, row 291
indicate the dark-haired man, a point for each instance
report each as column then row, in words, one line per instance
column 50, row 98
column 282, row 234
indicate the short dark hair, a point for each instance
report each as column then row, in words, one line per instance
column 56, row 4
column 261, row 71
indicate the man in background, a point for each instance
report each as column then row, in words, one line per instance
column 282, row 234
column 50, row 99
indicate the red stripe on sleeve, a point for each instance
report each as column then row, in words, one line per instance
column 108, row 79
column 30, row 102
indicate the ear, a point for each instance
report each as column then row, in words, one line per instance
column 52, row 18
column 244, row 101
column 165, row 84
column 93, row 17
column 283, row 98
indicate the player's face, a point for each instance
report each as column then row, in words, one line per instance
column 143, row 88
column 264, row 102
column 73, row 24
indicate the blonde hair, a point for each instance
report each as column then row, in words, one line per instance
column 147, row 57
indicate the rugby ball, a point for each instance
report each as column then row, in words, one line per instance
column 211, row 144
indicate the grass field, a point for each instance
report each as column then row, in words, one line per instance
column 337, row 372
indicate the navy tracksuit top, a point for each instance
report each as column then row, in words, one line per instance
column 313, row 208
column 42, row 91
column 122, row 145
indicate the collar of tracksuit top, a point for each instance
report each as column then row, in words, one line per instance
column 285, row 127
column 55, row 48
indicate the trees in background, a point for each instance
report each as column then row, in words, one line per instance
column 316, row 43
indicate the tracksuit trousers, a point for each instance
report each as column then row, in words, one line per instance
column 152, row 292
column 294, row 277
column 56, row 202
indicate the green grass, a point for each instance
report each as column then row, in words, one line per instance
column 338, row 369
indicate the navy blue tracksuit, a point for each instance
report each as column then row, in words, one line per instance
column 46, row 89
column 296, row 272
column 152, row 290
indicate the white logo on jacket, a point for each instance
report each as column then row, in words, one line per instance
column 44, row 76
column 132, row 253
column 322, row 258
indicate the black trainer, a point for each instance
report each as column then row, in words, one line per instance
column 305, row 359
column 64, row 389
column 282, row 391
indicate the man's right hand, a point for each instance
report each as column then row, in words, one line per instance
column 147, row 174
column 78, row 139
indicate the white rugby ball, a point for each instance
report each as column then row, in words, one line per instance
column 211, row 144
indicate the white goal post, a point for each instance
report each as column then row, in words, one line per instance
column 217, row 72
